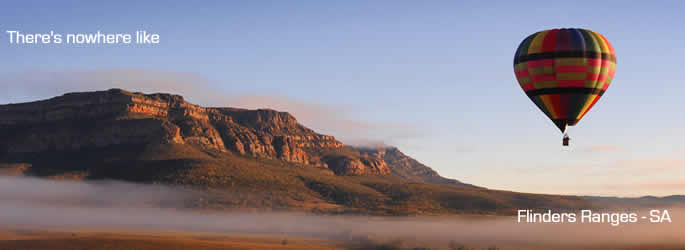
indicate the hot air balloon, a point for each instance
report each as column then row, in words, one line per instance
column 565, row 72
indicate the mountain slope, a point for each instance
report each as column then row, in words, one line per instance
column 240, row 159
column 641, row 202
column 407, row 167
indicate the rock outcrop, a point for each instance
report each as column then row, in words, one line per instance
column 78, row 121
column 406, row 167
column 348, row 165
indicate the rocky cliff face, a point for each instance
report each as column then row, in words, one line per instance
column 403, row 165
column 91, row 120
column 407, row 167
column 350, row 165
column 79, row 121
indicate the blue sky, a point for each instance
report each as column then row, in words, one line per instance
column 433, row 78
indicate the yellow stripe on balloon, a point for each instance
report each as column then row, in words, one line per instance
column 521, row 66
column 586, row 106
column 605, row 49
column 536, row 44
column 524, row 80
column 550, row 107
column 572, row 76
column 546, row 84
column 570, row 61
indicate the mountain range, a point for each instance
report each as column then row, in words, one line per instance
column 240, row 159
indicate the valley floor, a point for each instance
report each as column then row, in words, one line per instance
column 116, row 239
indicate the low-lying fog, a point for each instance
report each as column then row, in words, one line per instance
column 39, row 203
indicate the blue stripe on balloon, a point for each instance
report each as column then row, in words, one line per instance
column 577, row 40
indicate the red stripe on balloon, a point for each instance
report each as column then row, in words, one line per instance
column 591, row 77
column 538, row 78
column 528, row 86
column 563, row 102
column 594, row 62
column 571, row 68
column 540, row 63
column 606, row 63
column 522, row 73
column 598, row 62
column 549, row 43
column 602, row 78
column 559, row 106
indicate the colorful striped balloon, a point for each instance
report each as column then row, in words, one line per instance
column 565, row 71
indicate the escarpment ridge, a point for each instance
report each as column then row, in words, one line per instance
column 91, row 120
column 240, row 159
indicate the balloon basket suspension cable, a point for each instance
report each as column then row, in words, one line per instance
column 565, row 140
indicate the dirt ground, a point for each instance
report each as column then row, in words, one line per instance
column 101, row 239
column 119, row 239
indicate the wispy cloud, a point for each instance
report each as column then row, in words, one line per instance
column 29, row 86
column 336, row 120
column 647, row 166
column 29, row 203
column 662, row 186
column 603, row 148
column 678, row 186
column 332, row 119
column 462, row 148
column 655, row 175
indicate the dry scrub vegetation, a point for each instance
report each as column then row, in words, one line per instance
column 235, row 182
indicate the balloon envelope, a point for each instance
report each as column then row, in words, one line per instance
column 565, row 72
